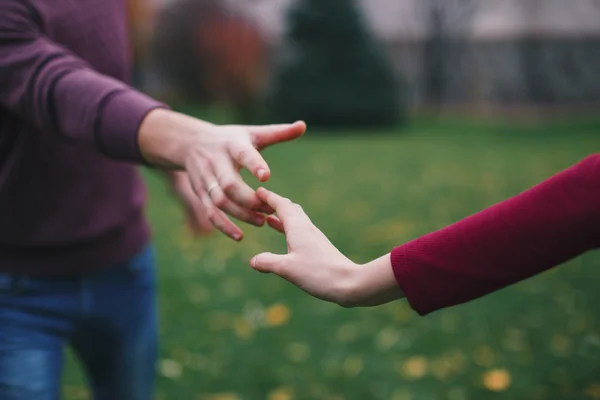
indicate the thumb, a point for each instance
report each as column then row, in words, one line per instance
column 264, row 136
column 269, row 263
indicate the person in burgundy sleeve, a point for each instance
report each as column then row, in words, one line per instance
column 550, row 223
column 76, row 263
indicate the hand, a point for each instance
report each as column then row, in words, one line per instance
column 317, row 267
column 195, row 212
column 212, row 156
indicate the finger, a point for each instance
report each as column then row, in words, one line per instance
column 220, row 200
column 216, row 197
column 282, row 206
column 220, row 220
column 269, row 263
column 275, row 223
column 214, row 215
column 235, row 189
column 197, row 220
column 264, row 136
column 249, row 158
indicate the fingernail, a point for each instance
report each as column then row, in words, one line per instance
column 253, row 262
column 261, row 173
column 237, row 236
column 260, row 221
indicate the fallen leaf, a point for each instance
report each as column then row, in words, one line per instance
column 593, row 391
column 221, row 396
column 497, row 380
column 298, row 352
column 242, row 328
column 414, row 368
column 353, row 365
column 484, row 356
column 283, row 393
column 277, row 315
column 170, row 368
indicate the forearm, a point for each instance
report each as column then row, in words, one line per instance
column 543, row 227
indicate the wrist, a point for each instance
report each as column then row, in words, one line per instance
column 165, row 137
column 372, row 284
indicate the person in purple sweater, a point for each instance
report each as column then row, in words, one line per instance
column 76, row 263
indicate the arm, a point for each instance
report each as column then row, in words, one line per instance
column 542, row 227
column 538, row 229
column 52, row 89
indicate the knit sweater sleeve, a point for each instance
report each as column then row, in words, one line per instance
column 538, row 229
column 52, row 89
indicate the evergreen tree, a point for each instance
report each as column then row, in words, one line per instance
column 336, row 74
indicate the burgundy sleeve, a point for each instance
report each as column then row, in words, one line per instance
column 45, row 84
column 538, row 229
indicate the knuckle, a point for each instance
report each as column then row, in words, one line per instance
column 211, row 214
column 220, row 200
column 228, row 185
column 241, row 156
column 197, row 188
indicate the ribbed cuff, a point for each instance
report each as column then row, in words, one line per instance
column 119, row 122
column 409, row 280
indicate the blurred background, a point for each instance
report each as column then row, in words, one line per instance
column 420, row 112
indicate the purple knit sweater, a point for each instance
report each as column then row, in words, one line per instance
column 71, row 199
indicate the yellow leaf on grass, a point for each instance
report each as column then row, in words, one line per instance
column 414, row 368
column 221, row 396
column 561, row 345
column 401, row 394
column 484, row 356
column 77, row 393
column 497, row 380
column 593, row 391
column 283, row 393
column 298, row 352
column 242, row 328
column 277, row 315
column 353, row 365
column 170, row 368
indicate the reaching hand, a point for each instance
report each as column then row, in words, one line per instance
column 317, row 267
column 195, row 212
column 312, row 262
column 212, row 156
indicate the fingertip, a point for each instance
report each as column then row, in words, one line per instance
column 302, row 124
column 263, row 174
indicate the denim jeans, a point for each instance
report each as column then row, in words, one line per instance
column 108, row 317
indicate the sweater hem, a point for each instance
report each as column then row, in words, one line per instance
column 112, row 248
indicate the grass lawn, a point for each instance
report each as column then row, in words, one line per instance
column 230, row 333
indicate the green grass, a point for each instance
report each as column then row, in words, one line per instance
column 225, row 330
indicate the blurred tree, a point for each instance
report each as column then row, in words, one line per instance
column 211, row 56
column 335, row 74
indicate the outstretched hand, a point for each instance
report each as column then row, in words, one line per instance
column 317, row 267
column 312, row 262
column 212, row 156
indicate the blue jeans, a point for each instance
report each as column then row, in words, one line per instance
column 108, row 317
